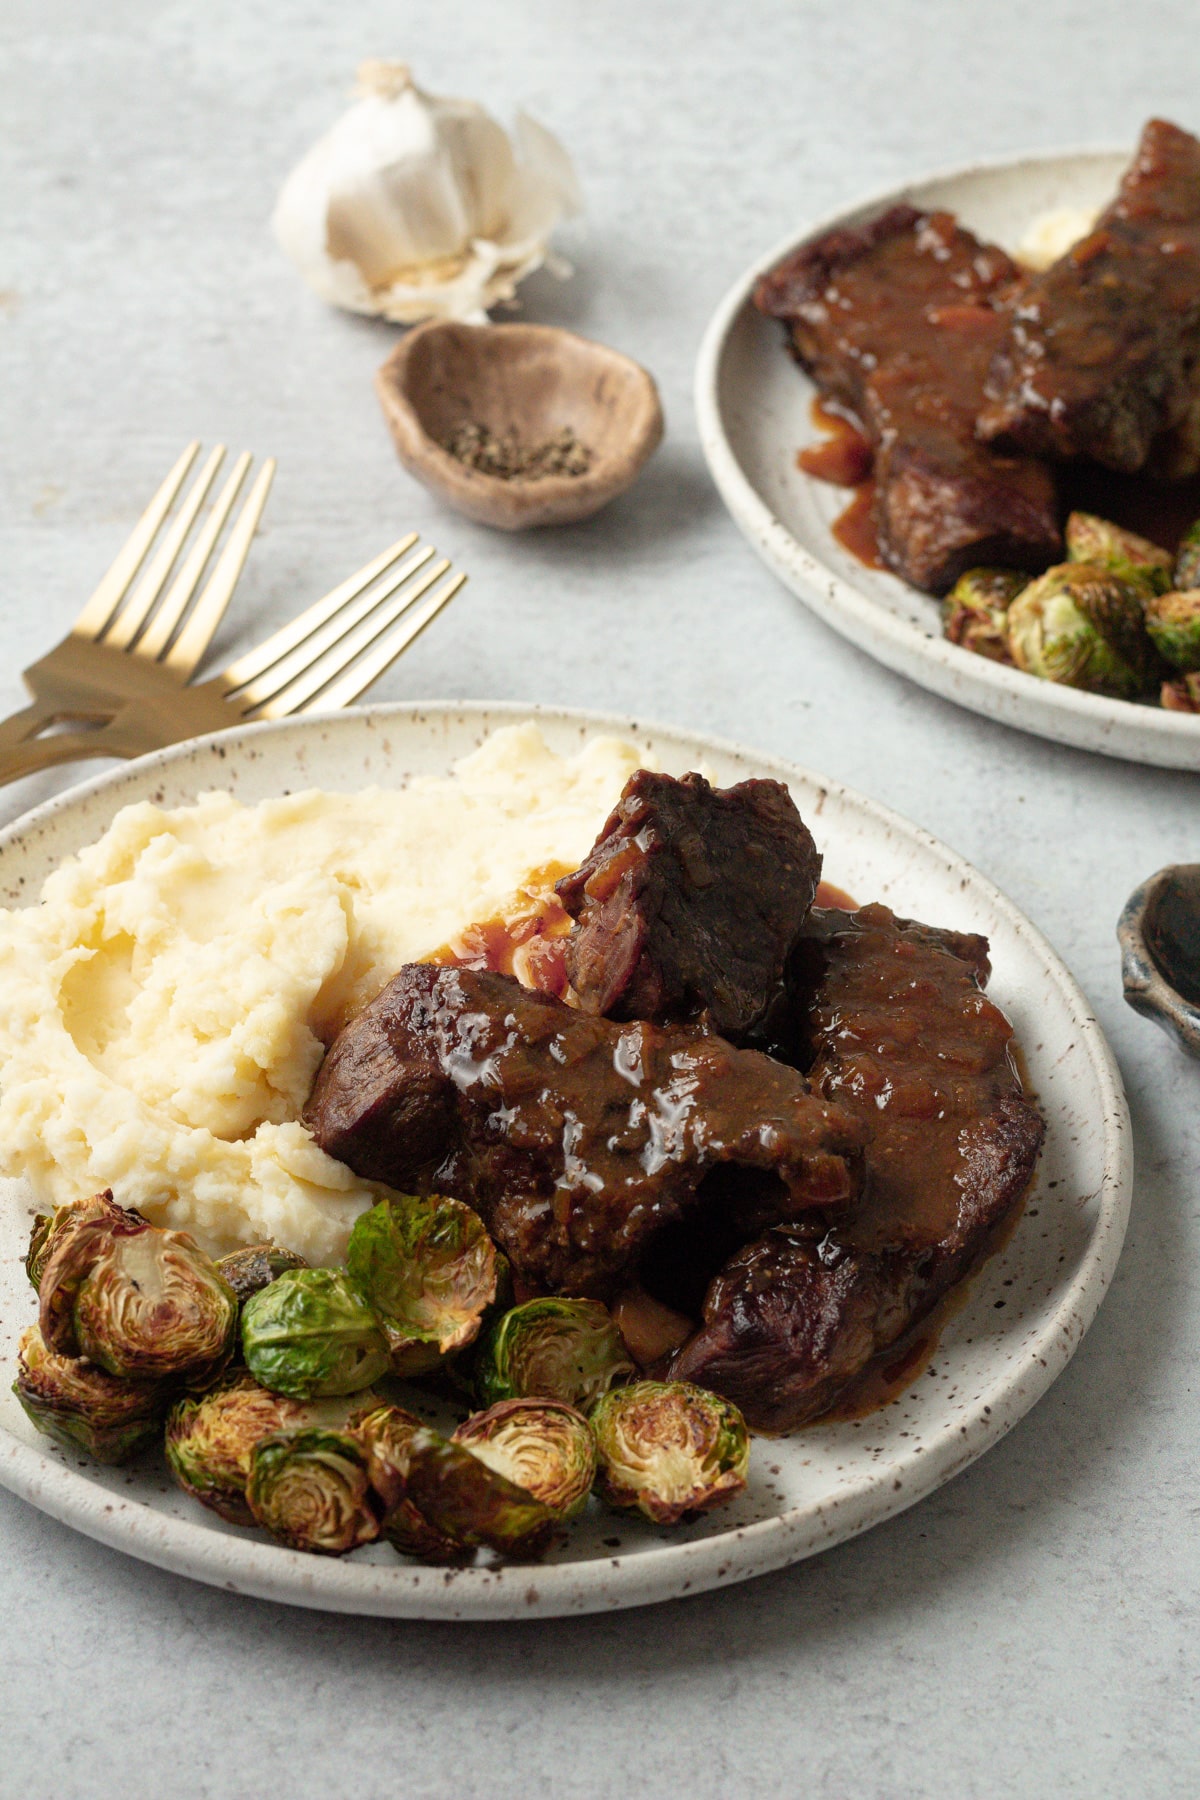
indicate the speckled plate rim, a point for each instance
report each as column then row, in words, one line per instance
column 1087, row 721
column 247, row 1566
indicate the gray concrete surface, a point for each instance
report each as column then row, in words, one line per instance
column 1032, row 1628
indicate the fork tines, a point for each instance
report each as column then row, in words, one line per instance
column 330, row 654
column 158, row 625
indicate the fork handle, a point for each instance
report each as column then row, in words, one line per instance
column 22, row 752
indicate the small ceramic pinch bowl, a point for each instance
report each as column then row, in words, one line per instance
column 530, row 382
column 1159, row 934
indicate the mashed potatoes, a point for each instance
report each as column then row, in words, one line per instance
column 163, row 1008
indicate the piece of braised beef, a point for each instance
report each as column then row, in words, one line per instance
column 897, row 322
column 689, row 901
column 905, row 1039
column 1102, row 357
column 575, row 1137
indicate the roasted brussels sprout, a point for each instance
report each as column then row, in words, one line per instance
column 386, row 1434
column 1173, row 622
column 1106, row 546
column 311, row 1333
column 669, row 1449
column 975, row 611
column 1187, row 561
column 53, row 1229
column 1081, row 625
column 84, row 1407
column 249, row 1271
column 1182, row 695
column 141, row 1302
column 543, row 1446
column 553, row 1349
column 460, row 1496
column 428, row 1268
column 211, row 1437
column 310, row 1490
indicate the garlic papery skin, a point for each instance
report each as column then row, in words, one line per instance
column 418, row 207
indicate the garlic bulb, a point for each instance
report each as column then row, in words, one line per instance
column 417, row 207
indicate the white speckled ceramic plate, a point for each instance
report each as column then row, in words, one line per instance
column 754, row 408
column 1026, row 1311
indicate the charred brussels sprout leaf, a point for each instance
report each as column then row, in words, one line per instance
column 386, row 1434
column 568, row 1350
column 1182, row 695
column 152, row 1305
column 1187, row 560
column 310, row 1490
column 1082, row 626
column 211, row 1438
column 1173, row 622
column 975, row 611
column 1106, row 546
column 311, row 1333
column 84, row 1407
column 249, row 1271
column 543, row 1446
column 460, row 1496
column 669, row 1449
column 428, row 1268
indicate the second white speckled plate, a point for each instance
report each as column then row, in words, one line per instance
column 1024, row 1316
column 754, row 409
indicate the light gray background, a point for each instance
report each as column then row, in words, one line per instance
column 1029, row 1630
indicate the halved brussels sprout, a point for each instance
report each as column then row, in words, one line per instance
column 309, row 1489
column 460, row 1496
column 141, row 1302
column 1173, row 622
column 552, row 1349
column 1182, row 695
column 386, row 1434
column 249, row 1271
column 211, row 1438
column 669, row 1449
column 1081, row 626
column 974, row 612
column 543, row 1446
column 311, row 1333
column 84, row 1407
column 1107, row 546
column 428, row 1268
column 52, row 1229
column 1187, row 560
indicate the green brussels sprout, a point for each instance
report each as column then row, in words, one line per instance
column 669, row 1449
column 311, row 1333
column 1182, row 695
column 309, row 1489
column 1080, row 625
column 1187, row 561
column 84, row 1407
column 975, row 611
column 428, row 1268
column 553, row 1349
column 52, row 1229
column 1107, row 546
column 460, row 1496
column 1173, row 622
column 543, row 1446
column 249, row 1271
column 143, row 1303
column 211, row 1437
column 386, row 1434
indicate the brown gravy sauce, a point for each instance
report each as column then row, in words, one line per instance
column 528, row 945
column 1159, row 510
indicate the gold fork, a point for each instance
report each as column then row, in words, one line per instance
column 120, row 682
